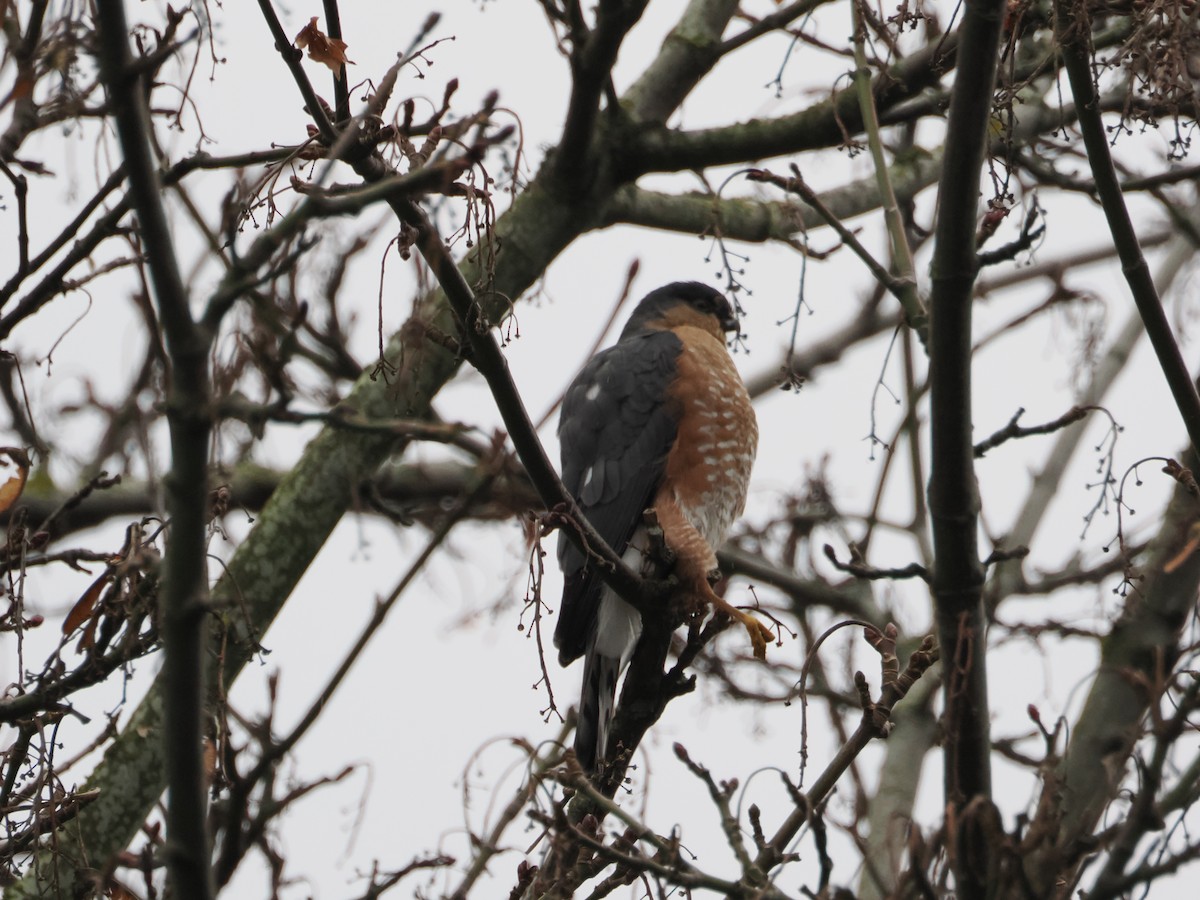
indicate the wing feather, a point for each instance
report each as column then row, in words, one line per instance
column 618, row 423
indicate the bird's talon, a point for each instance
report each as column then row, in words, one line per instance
column 759, row 633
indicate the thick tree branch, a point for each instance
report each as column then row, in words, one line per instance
column 746, row 219
column 184, row 590
column 592, row 59
column 687, row 54
column 825, row 124
column 953, row 493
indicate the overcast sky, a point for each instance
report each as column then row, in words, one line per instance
column 451, row 672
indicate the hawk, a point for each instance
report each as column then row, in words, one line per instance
column 660, row 420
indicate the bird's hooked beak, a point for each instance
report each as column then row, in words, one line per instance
column 730, row 323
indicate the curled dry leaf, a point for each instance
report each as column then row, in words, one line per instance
column 322, row 48
column 12, row 487
column 85, row 605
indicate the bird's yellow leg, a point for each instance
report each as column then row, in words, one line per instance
column 696, row 568
column 760, row 634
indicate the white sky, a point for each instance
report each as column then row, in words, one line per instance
column 440, row 681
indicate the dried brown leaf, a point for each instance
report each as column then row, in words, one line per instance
column 11, row 489
column 84, row 606
column 87, row 640
column 322, row 48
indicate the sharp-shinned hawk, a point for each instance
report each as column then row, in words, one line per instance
column 660, row 420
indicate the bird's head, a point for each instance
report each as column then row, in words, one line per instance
column 683, row 303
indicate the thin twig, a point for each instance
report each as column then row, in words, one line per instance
column 729, row 822
column 902, row 258
column 900, row 288
column 487, row 847
column 872, row 573
column 1013, row 431
column 275, row 751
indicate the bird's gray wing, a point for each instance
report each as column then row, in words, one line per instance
column 618, row 424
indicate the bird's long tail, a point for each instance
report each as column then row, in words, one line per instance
column 596, row 702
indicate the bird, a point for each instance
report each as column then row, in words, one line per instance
column 659, row 421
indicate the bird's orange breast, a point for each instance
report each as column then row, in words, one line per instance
column 708, row 468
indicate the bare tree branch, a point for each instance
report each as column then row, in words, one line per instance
column 184, row 590
column 822, row 125
column 953, row 492
column 1073, row 29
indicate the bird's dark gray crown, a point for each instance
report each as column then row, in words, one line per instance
column 702, row 298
